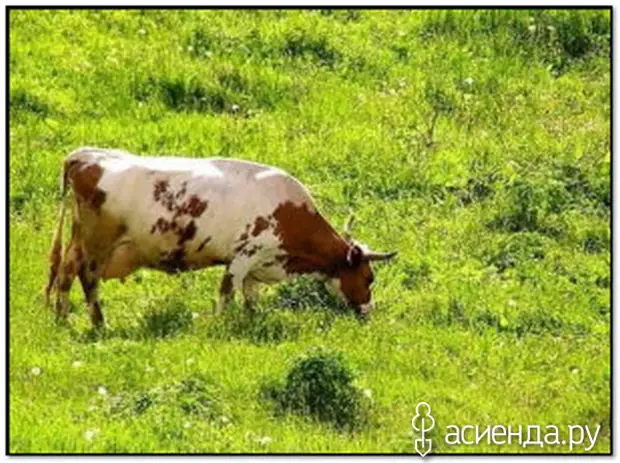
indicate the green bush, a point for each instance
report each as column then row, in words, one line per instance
column 320, row 385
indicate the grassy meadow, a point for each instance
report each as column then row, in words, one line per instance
column 476, row 143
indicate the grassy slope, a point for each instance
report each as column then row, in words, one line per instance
column 497, row 309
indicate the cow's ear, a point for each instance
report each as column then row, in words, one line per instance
column 354, row 255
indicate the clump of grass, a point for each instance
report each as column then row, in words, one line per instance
column 22, row 101
column 306, row 292
column 174, row 319
column 317, row 49
column 585, row 186
column 320, row 385
column 182, row 94
column 596, row 241
column 191, row 95
column 514, row 249
column 415, row 274
column 524, row 208
column 258, row 327
column 197, row 395
column 520, row 323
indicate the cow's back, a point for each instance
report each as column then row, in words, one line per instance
column 197, row 207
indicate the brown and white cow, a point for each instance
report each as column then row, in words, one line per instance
column 177, row 214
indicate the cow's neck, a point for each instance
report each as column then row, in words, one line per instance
column 311, row 244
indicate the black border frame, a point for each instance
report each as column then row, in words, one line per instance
column 9, row 8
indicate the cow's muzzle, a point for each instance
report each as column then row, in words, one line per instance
column 363, row 311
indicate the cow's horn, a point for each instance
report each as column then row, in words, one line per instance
column 372, row 255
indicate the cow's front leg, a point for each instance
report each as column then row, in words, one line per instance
column 250, row 291
column 231, row 282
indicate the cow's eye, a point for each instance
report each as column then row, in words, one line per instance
column 371, row 280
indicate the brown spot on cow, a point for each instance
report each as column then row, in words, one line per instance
column 182, row 190
column 253, row 250
column 161, row 225
column 195, row 206
column 167, row 197
column 85, row 178
column 203, row 243
column 161, row 186
column 164, row 195
column 227, row 284
column 240, row 247
column 260, row 224
column 187, row 233
column 310, row 243
column 173, row 261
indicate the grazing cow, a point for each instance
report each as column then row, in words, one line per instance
column 177, row 214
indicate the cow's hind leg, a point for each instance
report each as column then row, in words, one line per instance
column 55, row 260
column 90, row 284
column 68, row 269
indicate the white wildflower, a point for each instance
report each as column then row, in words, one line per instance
column 90, row 434
column 265, row 440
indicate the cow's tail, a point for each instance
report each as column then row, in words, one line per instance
column 56, row 252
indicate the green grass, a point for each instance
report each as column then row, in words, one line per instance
column 477, row 143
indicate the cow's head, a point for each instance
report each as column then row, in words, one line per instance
column 353, row 278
